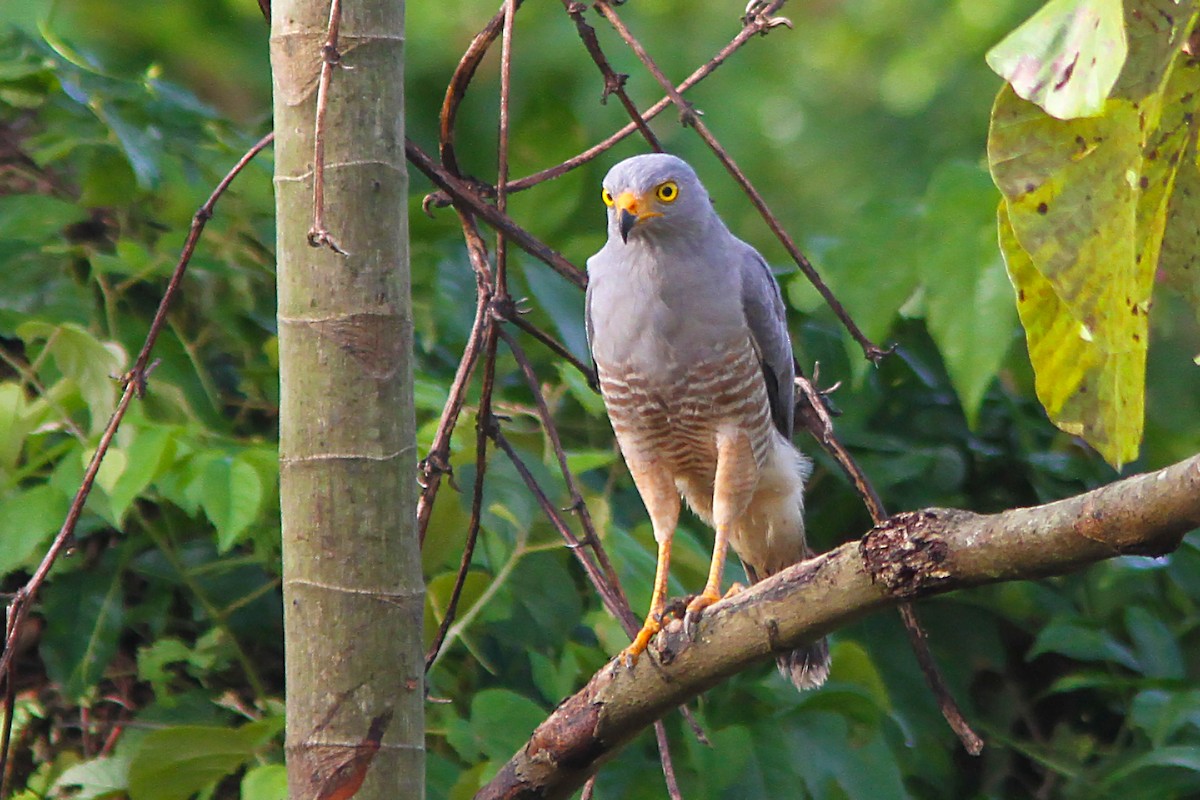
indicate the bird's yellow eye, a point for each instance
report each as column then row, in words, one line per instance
column 667, row 192
column 607, row 196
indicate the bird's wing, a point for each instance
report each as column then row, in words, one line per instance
column 765, row 314
column 590, row 331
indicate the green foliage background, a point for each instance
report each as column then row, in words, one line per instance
column 865, row 129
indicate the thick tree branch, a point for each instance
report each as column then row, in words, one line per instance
column 912, row 555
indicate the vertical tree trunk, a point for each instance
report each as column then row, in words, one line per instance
column 352, row 583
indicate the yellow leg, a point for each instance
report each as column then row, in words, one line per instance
column 737, row 475
column 712, row 588
column 653, row 623
column 657, row 488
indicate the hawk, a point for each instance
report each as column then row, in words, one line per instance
column 687, row 329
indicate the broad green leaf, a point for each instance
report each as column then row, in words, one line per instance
column 1074, row 639
column 107, row 178
column 1066, row 57
column 968, row 302
column 232, row 497
column 266, row 782
column 151, row 453
column 1182, row 756
column 852, row 664
column 175, row 763
column 28, row 518
column 87, row 361
column 131, row 258
column 1082, row 228
column 1086, row 391
column 107, row 776
column 87, row 609
column 112, row 466
column 500, row 722
column 1157, row 647
column 579, row 461
column 852, row 268
column 561, row 301
column 1161, row 713
column 36, row 218
column 578, row 388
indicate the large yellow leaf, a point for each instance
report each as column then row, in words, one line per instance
column 1087, row 389
column 1089, row 207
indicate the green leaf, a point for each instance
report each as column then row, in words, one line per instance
column 1182, row 756
column 35, row 217
column 968, row 300
column 28, row 518
column 1162, row 713
column 231, row 495
column 1157, row 647
column 852, row 664
column 107, row 179
column 1071, row 638
column 152, row 661
column 580, row 461
column 266, row 782
column 175, row 763
column 148, row 457
column 87, row 361
column 500, row 722
column 1065, row 58
column 86, row 612
column 578, row 388
column 106, row 776
column 851, row 267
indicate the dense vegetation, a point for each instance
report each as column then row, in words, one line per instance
column 865, row 128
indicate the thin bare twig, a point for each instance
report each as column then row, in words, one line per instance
column 556, row 347
column 500, row 286
column 484, row 425
column 318, row 234
column 810, row 411
column 614, row 83
column 465, row 196
column 10, row 708
column 456, row 89
column 134, row 383
column 756, row 26
column 591, row 537
column 437, row 463
column 691, row 118
column 614, row 600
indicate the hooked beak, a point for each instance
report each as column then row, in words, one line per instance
column 625, row 223
column 631, row 210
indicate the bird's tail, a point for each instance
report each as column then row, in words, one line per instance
column 778, row 516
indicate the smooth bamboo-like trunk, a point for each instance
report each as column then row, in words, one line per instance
column 353, row 592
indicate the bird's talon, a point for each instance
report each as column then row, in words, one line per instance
column 694, row 609
column 629, row 655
